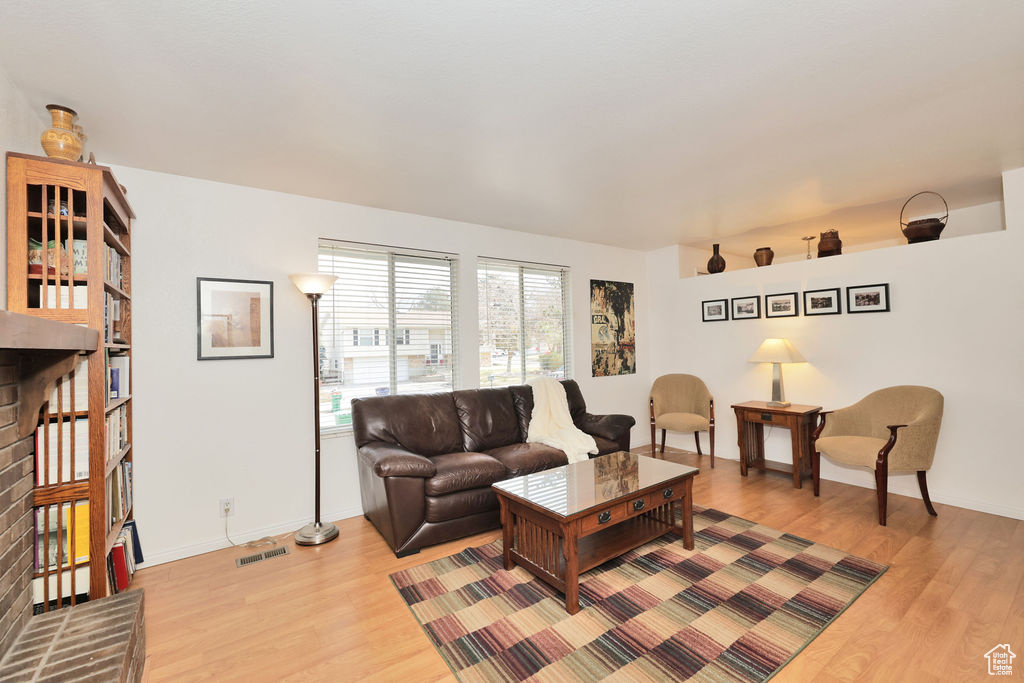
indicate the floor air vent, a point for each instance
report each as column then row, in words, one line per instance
column 259, row 557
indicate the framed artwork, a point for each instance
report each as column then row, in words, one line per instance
column 612, row 328
column 746, row 308
column 822, row 302
column 781, row 305
column 714, row 310
column 234, row 318
column 867, row 299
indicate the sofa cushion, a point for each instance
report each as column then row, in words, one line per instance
column 462, row 471
column 487, row 417
column 460, row 504
column 425, row 424
column 527, row 458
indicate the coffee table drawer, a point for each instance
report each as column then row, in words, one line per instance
column 609, row 517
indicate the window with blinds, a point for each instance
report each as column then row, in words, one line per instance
column 524, row 322
column 386, row 327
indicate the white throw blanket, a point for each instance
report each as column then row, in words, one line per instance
column 551, row 423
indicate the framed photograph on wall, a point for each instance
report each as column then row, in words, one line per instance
column 746, row 308
column 822, row 302
column 781, row 305
column 234, row 318
column 867, row 299
column 714, row 310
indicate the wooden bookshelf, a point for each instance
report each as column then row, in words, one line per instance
column 68, row 230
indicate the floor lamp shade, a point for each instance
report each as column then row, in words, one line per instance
column 314, row 286
column 777, row 351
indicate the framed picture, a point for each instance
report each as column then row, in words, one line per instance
column 746, row 308
column 714, row 310
column 781, row 305
column 612, row 328
column 867, row 299
column 822, row 302
column 235, row 318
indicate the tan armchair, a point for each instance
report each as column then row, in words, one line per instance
column 682, row 403
column 890, row 430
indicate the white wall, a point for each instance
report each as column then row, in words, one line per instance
column 243, row 428
column 955, row 325
column 20, row 127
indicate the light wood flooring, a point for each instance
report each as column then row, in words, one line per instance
column 954, row 590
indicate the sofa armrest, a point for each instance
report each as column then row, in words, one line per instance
column 611, row 427
column 389, row 460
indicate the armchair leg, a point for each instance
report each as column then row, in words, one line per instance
column 654, row 441
column 923, row 483
column 663, row 440
column 882, row 489
column 696, row 438
column 711, row 437
column 816, row 471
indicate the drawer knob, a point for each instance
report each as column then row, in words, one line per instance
column 604, row 517
column 767, row 417
column 638, row 505
column 667, row 493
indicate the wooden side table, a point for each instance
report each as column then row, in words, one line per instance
column 752, row 416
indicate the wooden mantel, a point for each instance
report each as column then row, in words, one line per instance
column 48, row 349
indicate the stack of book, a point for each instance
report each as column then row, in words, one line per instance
column 112, row 319
column 117, row 376
column 123, row 558
column 120, row 491
column 53, row 463
column 112, row 272
column 117, row 431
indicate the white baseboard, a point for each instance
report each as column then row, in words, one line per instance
column 239, row 537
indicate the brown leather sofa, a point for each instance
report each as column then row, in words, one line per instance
column 427, row 461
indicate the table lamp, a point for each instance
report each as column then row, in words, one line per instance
column 314, row 286
column 777, row 352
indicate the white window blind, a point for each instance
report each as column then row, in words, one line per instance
column 525, row 326
column 386, row 326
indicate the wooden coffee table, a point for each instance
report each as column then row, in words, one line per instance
column 559, row 523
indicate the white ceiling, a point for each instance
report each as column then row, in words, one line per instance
column 636, row 123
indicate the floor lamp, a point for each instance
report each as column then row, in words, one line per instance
column 314, row 286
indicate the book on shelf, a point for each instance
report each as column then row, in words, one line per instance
column 124, row 557
column 118, row 367
column 81, row 296
column 120, row 491
column 53, row 533
column 80, row 552
column 60, row 434
column 81, row 587
column 112, row 272
column 112, row 319
column 117, row 431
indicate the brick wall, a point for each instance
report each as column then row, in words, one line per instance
column 16, row 468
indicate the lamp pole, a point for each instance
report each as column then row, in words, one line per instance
column 316, row 533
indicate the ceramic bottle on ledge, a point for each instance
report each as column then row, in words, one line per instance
column 716, row 264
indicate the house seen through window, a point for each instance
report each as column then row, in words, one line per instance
column 386, row 326
column 524, row 322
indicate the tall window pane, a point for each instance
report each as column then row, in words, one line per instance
column 385, row 326
column 524, row 322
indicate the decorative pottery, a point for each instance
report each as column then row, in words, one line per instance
column 60, row 141
column 763, row 256
column 923, row 229
column 830, row 244
column 716, row 264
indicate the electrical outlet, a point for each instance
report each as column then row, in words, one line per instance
column 227, row 507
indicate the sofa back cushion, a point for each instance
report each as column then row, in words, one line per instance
column 488, row 418
column 425, row 424
column 522, row 400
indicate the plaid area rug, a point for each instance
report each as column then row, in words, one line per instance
column 737, row 607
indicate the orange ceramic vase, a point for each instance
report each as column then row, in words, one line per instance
column 60, row 141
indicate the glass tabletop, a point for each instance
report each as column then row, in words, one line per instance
column 580, row 486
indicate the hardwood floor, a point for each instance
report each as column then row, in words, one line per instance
column 954, row 590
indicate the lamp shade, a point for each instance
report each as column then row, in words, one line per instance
column 313, row 283
column 776, row 351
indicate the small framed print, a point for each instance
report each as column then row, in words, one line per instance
column 822, row 302
column 781, row 305
column 235, row 318
column 714, row 310
column 746, row 308
column 867, row 299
